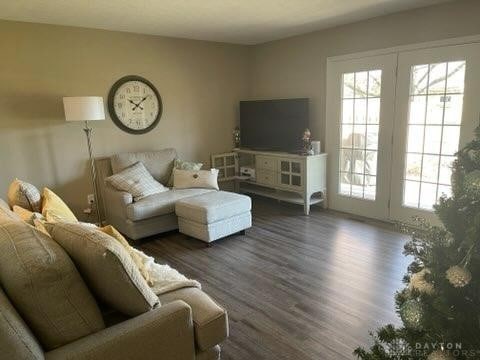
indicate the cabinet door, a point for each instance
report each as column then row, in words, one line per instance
column 290, row 174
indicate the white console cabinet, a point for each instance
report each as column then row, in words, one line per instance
column 298, row 179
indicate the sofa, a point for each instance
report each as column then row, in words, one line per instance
column 187, row 324
column 155, row 213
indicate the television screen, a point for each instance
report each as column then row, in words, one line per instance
column 275, row 125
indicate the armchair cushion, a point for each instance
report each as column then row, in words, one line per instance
column 160, row 204
column 106, row 266
column 46, row 288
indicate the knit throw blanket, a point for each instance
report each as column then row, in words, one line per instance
column 163, row 278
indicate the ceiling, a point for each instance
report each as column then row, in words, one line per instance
column 233, row 21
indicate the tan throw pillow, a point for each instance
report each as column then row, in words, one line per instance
column 183, row 165
column 136, row 180
column 25, row 195
column 184, row 179
column 27, row 215
column 106, row 266
column 110, row 230
column 46, row 288
column 54, row 209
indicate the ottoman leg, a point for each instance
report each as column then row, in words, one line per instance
column 243, row 232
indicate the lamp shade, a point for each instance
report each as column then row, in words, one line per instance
column 83, row 108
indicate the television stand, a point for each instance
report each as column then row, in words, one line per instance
column 297, row 179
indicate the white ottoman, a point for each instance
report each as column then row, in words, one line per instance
column 214, row 215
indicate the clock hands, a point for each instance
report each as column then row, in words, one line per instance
column 141, row 101
column 138, row 105
column 135, row 104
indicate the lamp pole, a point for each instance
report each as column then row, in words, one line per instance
column 88, row 132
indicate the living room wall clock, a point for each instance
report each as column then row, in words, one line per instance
column 134, row 104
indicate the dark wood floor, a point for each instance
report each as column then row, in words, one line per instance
column 295, row 287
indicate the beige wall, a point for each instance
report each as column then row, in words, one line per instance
column 200, row 84
column 296, row 67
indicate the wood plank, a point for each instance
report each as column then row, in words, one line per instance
column 295, row 286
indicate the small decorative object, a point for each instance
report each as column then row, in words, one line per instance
column 316, row 146
column 411, row 313
column 236, row 137
column 307, row 142
column 419, row 283
column 439, row 355
column 134, row 104
column 458, row 276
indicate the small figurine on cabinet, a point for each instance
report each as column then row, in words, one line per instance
column 307, row 142
column 236, row 137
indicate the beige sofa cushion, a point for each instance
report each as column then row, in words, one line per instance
column 106, row 267
column 210, row 321
column 160, row 204
column 46, row 288
column 136, row 180
column 158, row 163
column 25, row 195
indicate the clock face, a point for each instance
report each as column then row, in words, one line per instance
column 134, row 105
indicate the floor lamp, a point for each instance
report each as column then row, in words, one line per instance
column 86, row 108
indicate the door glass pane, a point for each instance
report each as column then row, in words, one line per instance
column 285, row 166
column 359, row 142
column 435, row 112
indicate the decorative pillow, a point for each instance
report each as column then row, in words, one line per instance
column 25, row 195
column 184, row 179
column 183, row 165
column 110, row 230
column 6, row 214
column 54, row 209
column 46, row 288
column 137, row 181
column 106, row 266
column 27, row 215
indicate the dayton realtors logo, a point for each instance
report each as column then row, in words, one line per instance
column 399, row 349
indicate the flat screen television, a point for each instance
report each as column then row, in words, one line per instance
column 275, row 125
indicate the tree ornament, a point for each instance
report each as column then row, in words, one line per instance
column 411, row 313
column 446, row 240
column 439, row 355
column 458, row 276
column 419, row 283
column 472, row 183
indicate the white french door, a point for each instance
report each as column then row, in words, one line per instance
column 360, row 96
column 437, row 110
column 394, row 123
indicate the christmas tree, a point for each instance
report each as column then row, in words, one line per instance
column 440, row 304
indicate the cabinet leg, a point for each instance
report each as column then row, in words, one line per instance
column 306, row 204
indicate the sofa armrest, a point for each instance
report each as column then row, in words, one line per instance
column 166, row 333
column 116, row 202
